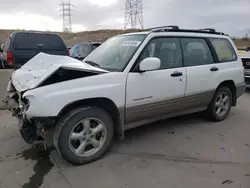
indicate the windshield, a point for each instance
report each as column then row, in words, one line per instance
column 116, row 52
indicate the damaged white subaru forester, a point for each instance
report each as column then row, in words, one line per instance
column 130, row 80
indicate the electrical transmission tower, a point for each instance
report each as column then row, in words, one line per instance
column 66, row 9
column 133, row 14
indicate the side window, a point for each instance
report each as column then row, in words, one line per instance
column 224, row 50
column 168, row 50
column 196, row 52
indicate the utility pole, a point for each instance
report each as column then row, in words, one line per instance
column 133, row 14
column 66, row 9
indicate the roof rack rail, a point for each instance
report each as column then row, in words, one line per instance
column 174, row 28
column 164, row 28
column 208, row 29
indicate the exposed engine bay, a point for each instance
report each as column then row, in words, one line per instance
column 64, row 74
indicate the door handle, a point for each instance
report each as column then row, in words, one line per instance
column 176, row 74
column 213, row 69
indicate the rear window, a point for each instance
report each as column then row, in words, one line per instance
column 38, row 41
column 224, row 50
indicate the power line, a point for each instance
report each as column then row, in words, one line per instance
column 133, row 14
column 66, row 9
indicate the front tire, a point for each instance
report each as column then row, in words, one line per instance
column 221, row 104
column 85, row 135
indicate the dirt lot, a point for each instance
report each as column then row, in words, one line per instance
column 188, row 152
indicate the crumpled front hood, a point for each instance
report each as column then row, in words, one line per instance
column 42, row 66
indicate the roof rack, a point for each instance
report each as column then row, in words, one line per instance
column 174, row 28
column 208, row 29
column 163, row 28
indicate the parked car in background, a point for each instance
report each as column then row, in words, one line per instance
column 80, row 51
column 246, row 63
column 20, row 47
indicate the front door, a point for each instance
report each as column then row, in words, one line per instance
column 156, row 93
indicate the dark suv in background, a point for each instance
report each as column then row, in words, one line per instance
column 80, row 51
column 20, row 47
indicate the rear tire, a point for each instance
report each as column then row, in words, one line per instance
column 84, row 135
column 221, row 104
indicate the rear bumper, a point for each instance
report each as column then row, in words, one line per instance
column 240, row 89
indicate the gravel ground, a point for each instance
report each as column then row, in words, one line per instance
column 187, row 151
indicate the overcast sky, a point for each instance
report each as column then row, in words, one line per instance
column 230, row 16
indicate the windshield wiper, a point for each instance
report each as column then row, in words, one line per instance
column 92, row 63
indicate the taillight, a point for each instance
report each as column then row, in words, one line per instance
column 67, row 53
column 10, row 58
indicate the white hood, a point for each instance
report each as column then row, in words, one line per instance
column 39, row 68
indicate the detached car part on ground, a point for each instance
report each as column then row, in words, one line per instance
column 128, row 81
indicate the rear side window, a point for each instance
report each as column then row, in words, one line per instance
column 224, row 50
column 196, row 52
column 38, row 41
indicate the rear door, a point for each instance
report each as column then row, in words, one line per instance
column 27, row 45
column 202, row 70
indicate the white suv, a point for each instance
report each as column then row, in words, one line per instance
column 128, row 81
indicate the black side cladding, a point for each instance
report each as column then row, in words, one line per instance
column 62, row 75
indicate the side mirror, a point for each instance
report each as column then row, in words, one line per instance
column 150, row 64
